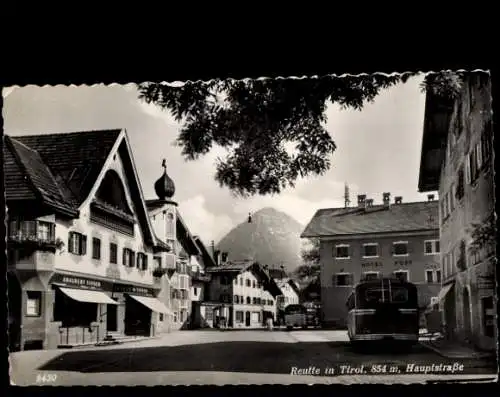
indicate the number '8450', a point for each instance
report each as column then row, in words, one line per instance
column 46, row 378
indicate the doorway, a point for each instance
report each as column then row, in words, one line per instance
column 466, row 312
column 137, row 318
column 111, row 318
column 247, row 319
column 450, row 313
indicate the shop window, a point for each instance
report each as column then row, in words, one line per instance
column 239, row 316
column 34, row 304
column 77, row 243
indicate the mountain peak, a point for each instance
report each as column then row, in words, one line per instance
column 272, row 238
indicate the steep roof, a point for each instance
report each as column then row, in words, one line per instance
column 405, row 217
column 240, row 266
column 75, row 159
column 208, row 260
column 185, row 237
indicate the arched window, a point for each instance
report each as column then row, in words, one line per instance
column 170, row 224
column 248, row 300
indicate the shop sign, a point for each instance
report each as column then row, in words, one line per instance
column 405, row 262
column 80, row 282
column 134, row 290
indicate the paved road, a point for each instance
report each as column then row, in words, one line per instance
column 230, row 357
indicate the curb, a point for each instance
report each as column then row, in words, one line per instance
column 478, row 356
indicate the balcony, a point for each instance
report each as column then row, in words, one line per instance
column 198, row 276
column 33, row 236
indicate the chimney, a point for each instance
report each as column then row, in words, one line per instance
column 217, row 257
column 361, row 200
column 398, row 200
column 386, row 198
column 369, row 202
column 430, row 197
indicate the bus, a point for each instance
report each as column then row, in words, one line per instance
column 295, row 316
column 384, row 309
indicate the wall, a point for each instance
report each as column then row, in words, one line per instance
column 466, row 128
column 333, row 298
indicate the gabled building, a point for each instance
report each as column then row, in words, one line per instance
column 458, row 161
column 240, row 294
column 375, row 240
column 290, row 295
column 80, row 241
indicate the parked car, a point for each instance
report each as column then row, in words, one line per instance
column 295, row 316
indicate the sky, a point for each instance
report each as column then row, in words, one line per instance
column 378, row 150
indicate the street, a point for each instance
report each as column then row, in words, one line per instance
column 232, row 357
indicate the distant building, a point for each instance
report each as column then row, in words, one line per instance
column 457, row 160
column 371, row 241
column 289, row 295
column 80, row 241
column 240, row 294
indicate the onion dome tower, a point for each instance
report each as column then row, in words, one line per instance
column 165, row 187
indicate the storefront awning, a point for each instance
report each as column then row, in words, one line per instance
column 152, row 303
column 83, row 295
column 443, row 292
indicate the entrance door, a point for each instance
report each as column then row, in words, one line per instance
column 247, row 319
column 14, row 312
column 111, row 318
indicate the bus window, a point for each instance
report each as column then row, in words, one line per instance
column 295, row 309
column 399, row 295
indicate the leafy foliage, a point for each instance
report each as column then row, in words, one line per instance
column 483, row 234
column 445, row 84
column 257, row 120
column 310, row 270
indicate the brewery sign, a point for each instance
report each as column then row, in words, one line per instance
column 65, row 280
column 134, row 290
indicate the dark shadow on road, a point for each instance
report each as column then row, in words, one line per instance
column 250, row 357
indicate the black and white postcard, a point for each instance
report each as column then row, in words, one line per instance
column 314, row 230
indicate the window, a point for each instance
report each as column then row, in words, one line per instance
column 128, row 257
column 429, row 276
column 113, row 253
column 438, row 276
column 236, row 299
column 195, row 291
column 461, row 257
column 343, row 279
column 248, row 282
column 157, row 260
column 34, row 304
column 142, row 261
column 161, row 316
column 253, row 283
column 342, row 251
column 431, row 247
column 248, row 300
column 182, row 316
column 400, row 248
column 459, row 192
column 370, row 250
column 370, row 275
column 170, row 224
column 77, row 243
column 209, row 314
column 239, row 316
column 235, row 281
column 254, row 300
column 402, row 275
column 241, row 281
column 44, row 231
column 96, row 248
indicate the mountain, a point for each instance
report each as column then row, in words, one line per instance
column 271, row 238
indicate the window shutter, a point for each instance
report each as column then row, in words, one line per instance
column 52, row 231
column 124, row 262
column 132, row 259
column 70, row 242
column 145, row 262
column 83, row 244
column 138, row 260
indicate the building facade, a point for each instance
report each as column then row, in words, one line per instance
column 80, row 243
column 239, row 295
column 458, row 161
column 289, row 296
column 372, row 241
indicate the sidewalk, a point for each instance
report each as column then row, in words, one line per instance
column 454, row 350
